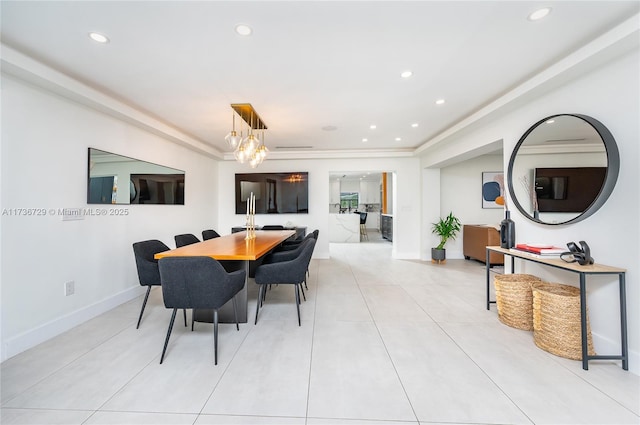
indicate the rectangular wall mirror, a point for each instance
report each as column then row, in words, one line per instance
column 117, row 179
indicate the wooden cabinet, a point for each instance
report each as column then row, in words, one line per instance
column 387, row 227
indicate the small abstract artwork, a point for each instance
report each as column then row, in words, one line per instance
column 492, row 188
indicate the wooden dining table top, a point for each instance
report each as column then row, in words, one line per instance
column 233, row 246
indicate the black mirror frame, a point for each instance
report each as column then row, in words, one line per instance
column 613, row 168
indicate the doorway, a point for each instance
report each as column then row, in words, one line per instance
column 364, row 193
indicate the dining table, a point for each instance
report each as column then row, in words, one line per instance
column 235, row 252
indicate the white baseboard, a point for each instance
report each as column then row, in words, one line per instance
column 42, row 333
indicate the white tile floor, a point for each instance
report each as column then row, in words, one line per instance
column 382, row 342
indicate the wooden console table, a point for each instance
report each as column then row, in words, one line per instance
column 583, row 271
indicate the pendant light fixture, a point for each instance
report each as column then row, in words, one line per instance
column 249, row 149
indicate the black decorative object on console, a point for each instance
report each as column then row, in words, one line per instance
column 507, row 231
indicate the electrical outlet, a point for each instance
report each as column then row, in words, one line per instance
column 69, row 288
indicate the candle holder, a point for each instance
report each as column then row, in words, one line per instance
column 251, row 222
column 251, row 227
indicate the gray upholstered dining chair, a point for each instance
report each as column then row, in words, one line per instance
column 291, row 271
column 147, row 266
column 289, row 245
column 292, row 246
column 185, row 239
column 209, row 234
column 272, row 227
column 198, row 283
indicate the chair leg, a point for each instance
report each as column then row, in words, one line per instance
column 144, row 303
column 184, row 310
column 302, row 290
column 193, row 318
column 166, row 341
column 258, row 302
column 215, row 336
column 235, row 312
column 298, row 302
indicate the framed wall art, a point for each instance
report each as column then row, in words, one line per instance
column 492, row 188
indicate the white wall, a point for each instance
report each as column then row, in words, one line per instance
column 406, row 238
column 461, row 193
column 609, row 94
column 44, row 165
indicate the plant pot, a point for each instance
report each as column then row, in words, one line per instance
column 438, row 254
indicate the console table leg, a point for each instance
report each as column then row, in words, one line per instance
column 487, row 266
column 623, row 322
column 583, row 322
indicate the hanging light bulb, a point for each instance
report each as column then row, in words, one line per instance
column 232, row 139
column 263, row 151
column 240, row 153
column 251, row 142
column 254, row 162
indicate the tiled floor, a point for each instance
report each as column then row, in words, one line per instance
column 382, row 341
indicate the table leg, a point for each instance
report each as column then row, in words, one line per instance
column 487, row 266
column 623, row 322
column 583, row 322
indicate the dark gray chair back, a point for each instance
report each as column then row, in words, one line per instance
column 209, row 234
column 197, row 282
column 185, row 239
column 147, row 266
column 148, row 273
column 272, row 227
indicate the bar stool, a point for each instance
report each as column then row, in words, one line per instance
column 363, row 226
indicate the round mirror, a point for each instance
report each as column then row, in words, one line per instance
column 563, row 169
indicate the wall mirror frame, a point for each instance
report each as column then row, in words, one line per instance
column 573, row 150
column 121, row 180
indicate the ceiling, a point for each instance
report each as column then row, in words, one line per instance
column 319, row 74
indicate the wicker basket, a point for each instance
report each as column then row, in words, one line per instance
column 514, row 299
column 556, row 320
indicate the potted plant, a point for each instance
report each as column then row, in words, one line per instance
column 446, row 228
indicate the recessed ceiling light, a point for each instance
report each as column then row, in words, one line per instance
column 243, row 29
column 439, row 101
column 98, row 38
column 365, row 140
column 406, row 74
column 414, row 125
column 539, row 14
column 373, row 126
column 398, row 139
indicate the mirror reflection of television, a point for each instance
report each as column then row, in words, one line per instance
column 275, row 193
column 568, row 189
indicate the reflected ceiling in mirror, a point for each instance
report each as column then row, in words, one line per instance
column 117, row 179
column 563, row 169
